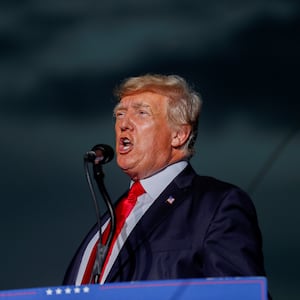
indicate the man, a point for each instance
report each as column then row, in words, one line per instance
column 183, row 225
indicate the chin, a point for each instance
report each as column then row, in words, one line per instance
column 128, row 171
column 133, row 175
column 124, row 166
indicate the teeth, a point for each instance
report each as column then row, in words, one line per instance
column 126, row 141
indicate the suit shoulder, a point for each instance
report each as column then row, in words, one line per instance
column 204, row 185
column 221, row 192
column 213, row 184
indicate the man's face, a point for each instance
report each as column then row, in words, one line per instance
column 143, row 135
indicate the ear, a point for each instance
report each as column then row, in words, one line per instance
column 180, row 135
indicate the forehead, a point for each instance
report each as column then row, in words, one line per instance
column 145, row 99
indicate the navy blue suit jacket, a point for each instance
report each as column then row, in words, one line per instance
column 210, row 230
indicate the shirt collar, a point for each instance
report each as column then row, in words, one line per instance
column 156, row 183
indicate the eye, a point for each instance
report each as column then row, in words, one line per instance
column 143, row 112
column 119, row 114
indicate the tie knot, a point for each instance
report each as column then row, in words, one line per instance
column 136, row 190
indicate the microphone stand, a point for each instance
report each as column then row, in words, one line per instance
column 102, row 248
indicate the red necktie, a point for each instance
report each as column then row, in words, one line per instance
column 123, row 209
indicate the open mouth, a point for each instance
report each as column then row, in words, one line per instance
column 125, row 145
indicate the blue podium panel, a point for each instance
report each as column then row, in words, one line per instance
column 241, row 288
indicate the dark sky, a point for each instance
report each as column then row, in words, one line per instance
column 60, row 61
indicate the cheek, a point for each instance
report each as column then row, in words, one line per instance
column 160, row 144
column 151, row 138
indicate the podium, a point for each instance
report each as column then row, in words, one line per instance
column 229, row 288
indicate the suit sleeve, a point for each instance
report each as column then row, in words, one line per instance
column 233, row 242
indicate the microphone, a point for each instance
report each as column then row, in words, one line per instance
column 100, row 154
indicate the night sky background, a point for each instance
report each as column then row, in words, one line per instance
column 60, row 61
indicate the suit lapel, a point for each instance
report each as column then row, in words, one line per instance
column 168, row 201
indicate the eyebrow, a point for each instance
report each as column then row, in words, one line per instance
column 141, row 105
column 136, row 105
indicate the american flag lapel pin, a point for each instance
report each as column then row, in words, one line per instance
column 170, row 200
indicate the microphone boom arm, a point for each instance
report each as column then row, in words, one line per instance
column 99, row 176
